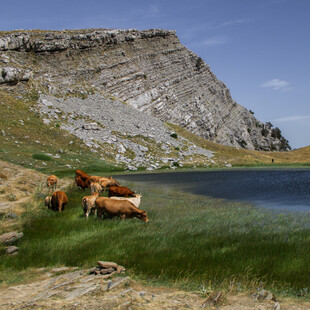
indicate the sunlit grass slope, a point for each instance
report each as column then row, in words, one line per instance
column 26, row 140
column 242, row 157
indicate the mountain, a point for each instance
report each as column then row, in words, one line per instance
column 150, row 71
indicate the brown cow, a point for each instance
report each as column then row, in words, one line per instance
column 59, row 200
column 51, row 182
column 88, row 203
column 120, row 191
column 82, row 183
column 122, row 208
column 82, row 179
column 82, row 174
column 108, row 182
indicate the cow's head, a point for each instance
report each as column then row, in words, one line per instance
column 143, row 217
column 48, row 202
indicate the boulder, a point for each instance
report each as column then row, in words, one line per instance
column 10, row 238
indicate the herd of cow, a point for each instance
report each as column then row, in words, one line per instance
column 121, row 201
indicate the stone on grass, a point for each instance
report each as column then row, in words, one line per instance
column 10, row 238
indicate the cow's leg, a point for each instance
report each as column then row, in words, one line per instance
column 59, row 205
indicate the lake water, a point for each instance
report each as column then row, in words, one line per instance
column 276, row 189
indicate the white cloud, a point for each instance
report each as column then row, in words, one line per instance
column 277, row 84
column 233, row 22
column 214, row 41
column 292, row 118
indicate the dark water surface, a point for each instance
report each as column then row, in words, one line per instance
column 276, row 189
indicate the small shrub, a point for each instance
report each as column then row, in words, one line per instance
column 174, row 135
column 175, row 164
column 199, row 63
column 57, row 125
column 177, row 148
column 41, row 157
column 265, row 132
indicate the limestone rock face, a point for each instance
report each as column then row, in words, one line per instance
column 150, row 70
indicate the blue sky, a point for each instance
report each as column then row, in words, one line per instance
column 259, row 48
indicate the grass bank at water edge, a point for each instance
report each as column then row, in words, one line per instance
column 190, row 241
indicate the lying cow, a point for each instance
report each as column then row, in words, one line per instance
column 120, row 191
column 135, row 200
column 95, row 188
column 122, row 208
column 51, row 182
column 59, row 200
column 48, row 202
column 88, row 203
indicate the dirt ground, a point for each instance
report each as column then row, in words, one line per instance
column 75, row 289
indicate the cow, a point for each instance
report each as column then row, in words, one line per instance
column 51, row 182
column 95, row 178
column 122, row 208
column 135, row 200
column 120, row 191
column 59, row 200
column 82, row 183
column 107, row 182
column 88, row 203
column 48, row 201
column 95, row 188
column 82, row 179
column 82, row 174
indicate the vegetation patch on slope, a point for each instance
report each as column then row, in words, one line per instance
column 27, row 141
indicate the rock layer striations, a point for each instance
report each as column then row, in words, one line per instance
column 150, row 70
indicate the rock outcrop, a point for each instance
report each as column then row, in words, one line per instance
column 150, row 70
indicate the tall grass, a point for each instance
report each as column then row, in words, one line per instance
column 190, row 239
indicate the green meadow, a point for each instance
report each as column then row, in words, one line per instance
column 190, row 241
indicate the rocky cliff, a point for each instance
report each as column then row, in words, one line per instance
column 149, row 70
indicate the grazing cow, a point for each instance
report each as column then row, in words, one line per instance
column 107, row 182
column 120, row 191
column 59, row 200
column 95, row 188
column 82, row 179
column 122, row 208
column 48, row 202
column 82, row 183
column 51, row 182
column 135, row 200
column 88, row 203
column 82, row 174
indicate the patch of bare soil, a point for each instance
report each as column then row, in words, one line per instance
column 77, row 289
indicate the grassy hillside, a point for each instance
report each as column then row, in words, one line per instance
column 241, row 157
column 26, row 140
